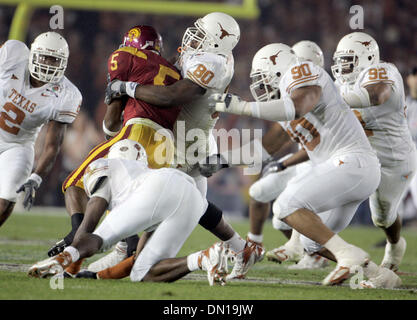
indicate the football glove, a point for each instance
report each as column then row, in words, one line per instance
column 228, row 102
column 114, row 89
column 29, row 188
column 272, row 166
column 212, row 164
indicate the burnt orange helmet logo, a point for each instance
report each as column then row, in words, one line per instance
column 224, row 32
column 365, row 43
column 274, row 57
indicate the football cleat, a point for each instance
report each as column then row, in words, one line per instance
column 394, row 254
column 118, row 254
column 57, row 248
column 285, row 253
column 386, row 279
column 352, row 258
column 309, row 262
column 50, row 266
column 245, row 259
column 214, row 261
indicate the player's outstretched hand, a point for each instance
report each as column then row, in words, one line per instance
column 29, row 188
column 114, row 89
column 212, row 164
column 227, row 102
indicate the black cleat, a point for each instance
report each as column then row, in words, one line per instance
column 57, row 248
column 85, row 274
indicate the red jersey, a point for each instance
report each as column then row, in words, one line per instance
column 144, row 67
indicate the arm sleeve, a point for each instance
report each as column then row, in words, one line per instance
column 303, row 74
column 70, row 106
column 12, row 52
column 206, row 70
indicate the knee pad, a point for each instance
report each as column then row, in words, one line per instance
column 382, row 213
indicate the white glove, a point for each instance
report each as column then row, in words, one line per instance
column 229, row 103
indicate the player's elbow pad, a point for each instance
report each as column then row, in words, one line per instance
column 276, row 110
column 357, row 98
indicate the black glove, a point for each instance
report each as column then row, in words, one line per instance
column 29, row 188
column 212, row 164
column 114, row 89
column 57, row 248
column 85, row 274
column 272, row 167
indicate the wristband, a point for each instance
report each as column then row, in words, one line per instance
column 108, row 132
column 131, row 88
column 37, row 178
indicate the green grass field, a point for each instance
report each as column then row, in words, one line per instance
column 25, row 239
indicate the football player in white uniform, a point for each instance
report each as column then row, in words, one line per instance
column 139, row 198
column 375, row 90
column 345, row 169
column 34, row 92
column 207, row 67
column 276, row 174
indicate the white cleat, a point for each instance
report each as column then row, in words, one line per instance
column 214, row 261
column 245, row 259
column 50, row 266
column 309, row 262
column 285, row 253
column 353, row 258
column 394, row 254
column 118, row 254
column 386, row 279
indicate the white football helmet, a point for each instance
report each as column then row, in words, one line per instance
column 310, row 51
column 355, row 52
column 48, row 57
column 268, row 66
column 216, row 32
column 129, row 150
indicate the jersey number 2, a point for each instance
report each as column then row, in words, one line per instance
column 18, row 119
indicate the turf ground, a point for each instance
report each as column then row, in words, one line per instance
column 25, row 239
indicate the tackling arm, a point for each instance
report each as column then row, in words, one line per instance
column 302, row 101
column 181, row 92
column 371, row 95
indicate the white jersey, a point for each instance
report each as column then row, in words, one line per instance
column 212, row 72
column 124, row 178
column 329, row 129
column 23, row 108
column 411, row 111
column 386, row 124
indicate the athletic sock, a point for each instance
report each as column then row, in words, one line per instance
column 236, row 243
column 336, row 245
column 255, row 237
column 73, row 252
column 294, row 239
column 192, row 261
column 76, row 220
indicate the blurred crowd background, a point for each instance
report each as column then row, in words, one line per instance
column 93, row 36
